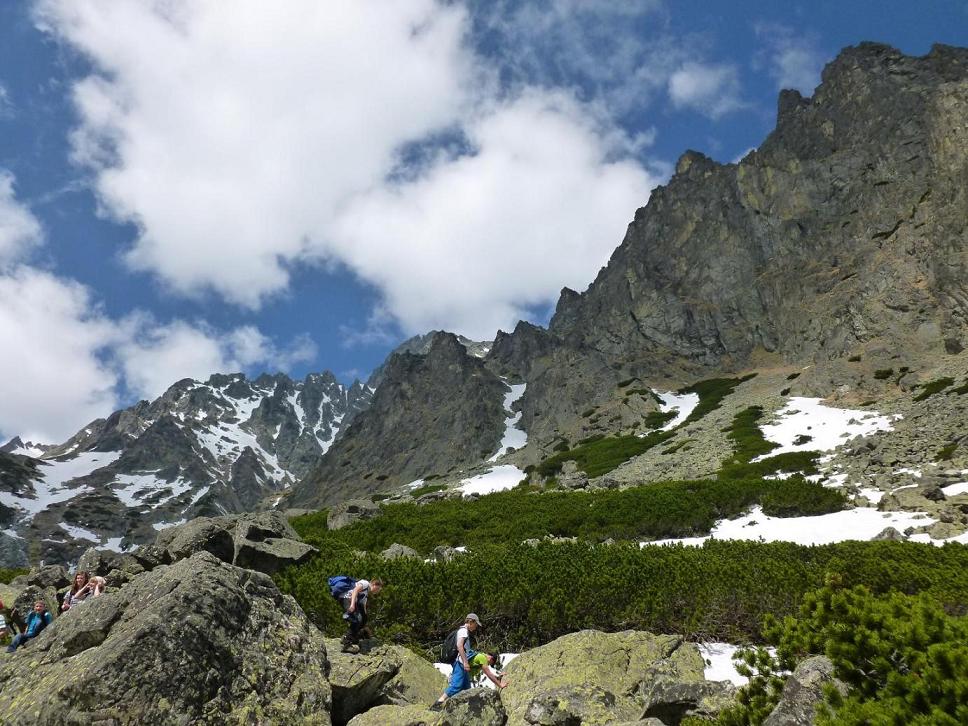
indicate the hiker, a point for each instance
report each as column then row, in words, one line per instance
column 39, row 619
column 468, row 663
column 10, row 622
column 353, row 596
column 84, row 586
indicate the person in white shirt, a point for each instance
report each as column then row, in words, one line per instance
column 354, row 604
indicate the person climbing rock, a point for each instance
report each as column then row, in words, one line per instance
column 468, row 664
column 354, row 595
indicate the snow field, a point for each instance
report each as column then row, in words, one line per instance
column 497, row 479
column 56, row 474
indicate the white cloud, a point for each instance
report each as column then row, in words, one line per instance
column 268, row 139
column 711, row 89
column 54, row 380
column 19, row 228
column 792, row 59
column 231, row 135
column 153, row 356
column 6, row 104
column 540, row 203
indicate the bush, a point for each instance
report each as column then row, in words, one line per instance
column 933, row 387
column 598, row 455
column 904, row 660
column 711, row 394
column 8, row 573
column 658, row 419
column 427, row 489
column 530, row 595
column 883, row 373
column 947, row 451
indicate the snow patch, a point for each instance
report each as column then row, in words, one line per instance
column 56, row 475
column 80, row 532
column 860, row 523
column 826, row 426
column 497, row 479
column 953, row 489
column 719, row 663
column 682, row 403
column 872, row 495
column 513, row 436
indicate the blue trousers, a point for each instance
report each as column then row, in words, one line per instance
column 460, row 680
column 19, row 640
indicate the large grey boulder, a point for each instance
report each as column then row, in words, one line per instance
column 264, row 541
column 596, row 677
column 397, row 550
column 474, row 707
column 352, row 510
column 803, row 693
column 672, row 701
column 397, row 716
column 383, row 675
column 196, row 641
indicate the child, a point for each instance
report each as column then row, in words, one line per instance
column 84, row 587
column 39, row 619
column 355, row 613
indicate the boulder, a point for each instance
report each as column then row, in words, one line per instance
column 397, row 716
column 103, row 562
column 196, row 641
column 619, row 664
column 889, row 534
column 23, row 603
column 352, row 510
column 398, row 550
column 443, row 553
column 384, row 675
column 474, row 707
column 272, row 554
column 260, row 526
column 48, row 576
column 203, row 534
column 671, row 701
column 803, row 693
column 571, row 706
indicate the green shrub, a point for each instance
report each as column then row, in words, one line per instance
column 854, row 359
column 883, row 373
column 933, row 387
column 785, row 392
column 598, row 455
column 711, row 394
column 658, row 419
column 530, row 595
column 746, row 436
column 902, row 657
column 947, row 451
column 427, row 489
column 627, row 382
column 8, row 573
column 793, row 376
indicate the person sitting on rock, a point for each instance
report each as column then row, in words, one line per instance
column 354, row 604
column 39, row 619
column 84, row 586
column 469, row 664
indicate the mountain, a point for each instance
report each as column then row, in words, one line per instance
column 839, row 246
column 221, row 446
column 843, row 232
column 432, row 414
column 420, row 345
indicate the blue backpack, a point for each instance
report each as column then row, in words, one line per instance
column 340, row 585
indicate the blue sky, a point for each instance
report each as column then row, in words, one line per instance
column 302, row 185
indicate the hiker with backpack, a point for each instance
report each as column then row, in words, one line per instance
column 353, row 595
column 468, row 664
column 39, row 619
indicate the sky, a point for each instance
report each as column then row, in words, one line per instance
column 193, row 186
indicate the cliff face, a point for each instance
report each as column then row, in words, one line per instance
column 432, row 414
column 845, row 229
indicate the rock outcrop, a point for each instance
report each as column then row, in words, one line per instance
column 196, row 641
column 591, row 677
column 803, row 693
column 432, row 414
column 264, row 541
column 380, row 676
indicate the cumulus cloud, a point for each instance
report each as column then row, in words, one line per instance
column 540, row 203
column 153, row 356
column 54, row 377
column 792, row 59
column 268, row 139
column 711, row 89
column 19, row 228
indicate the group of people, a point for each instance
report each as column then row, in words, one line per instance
column 467, row 663
column 84, row 586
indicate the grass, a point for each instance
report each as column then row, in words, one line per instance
column 427, row 489
column 946, row 452
column 933, row 387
